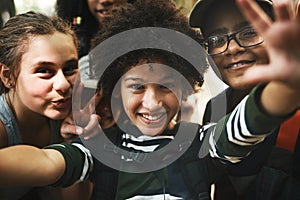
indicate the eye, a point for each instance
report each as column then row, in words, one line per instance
column 248, row 34
column 216, row 41
column 70, row 70
column 167, row 86
column 44, row 72
column 136, row 86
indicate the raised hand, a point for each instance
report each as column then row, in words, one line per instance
column 87, row 122
column 282, row 42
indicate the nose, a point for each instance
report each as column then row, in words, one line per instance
column 61, row 84
column 234, row 47
column 151, row 99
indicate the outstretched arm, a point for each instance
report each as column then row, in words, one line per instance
column 31, row 166
column 58, row 165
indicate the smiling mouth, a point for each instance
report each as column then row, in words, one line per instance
column 240, row 64
column 104, row 13
column 150, row 119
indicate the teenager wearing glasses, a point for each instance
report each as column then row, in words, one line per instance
column 235, row 46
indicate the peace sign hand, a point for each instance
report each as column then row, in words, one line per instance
column 87, row 122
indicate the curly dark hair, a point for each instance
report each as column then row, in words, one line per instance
column 146, row 13
column 140, row 14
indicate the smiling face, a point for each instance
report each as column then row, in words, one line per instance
column 225, row 18
column 102, row 9
column 150, row 95
column 48, row 70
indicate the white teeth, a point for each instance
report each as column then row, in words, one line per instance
column 152, row 118
column 238, row 64
column 105, row 12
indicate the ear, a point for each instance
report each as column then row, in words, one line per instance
column 6, row 76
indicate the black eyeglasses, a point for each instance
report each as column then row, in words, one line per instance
column 246, row 37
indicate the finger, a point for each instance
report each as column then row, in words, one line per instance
column 283, row 10
column 255, row 15
column 67, row 129
column 90, row 106
column 298, row 11
column 260, row 74
column 93, row 127
column 76, row 104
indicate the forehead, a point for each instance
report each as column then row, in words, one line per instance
column 151, row 72
column 223, row 17
column 50, row 48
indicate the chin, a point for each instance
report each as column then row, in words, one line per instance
column 57, row 116
column 152, row 131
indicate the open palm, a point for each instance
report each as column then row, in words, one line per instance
column 282, row 42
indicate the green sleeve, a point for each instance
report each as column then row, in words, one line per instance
column 78, row 163
column 239, row 132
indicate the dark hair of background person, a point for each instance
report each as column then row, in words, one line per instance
column 83, row 22
column 161, row 15
column 7, row 6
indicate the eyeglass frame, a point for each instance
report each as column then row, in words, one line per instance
column 230, row 37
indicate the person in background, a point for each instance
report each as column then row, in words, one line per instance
column 7, row 10
column 235, row 45
column 86, row 17
column 38, row 68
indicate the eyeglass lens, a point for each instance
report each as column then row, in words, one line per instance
column 219, row 43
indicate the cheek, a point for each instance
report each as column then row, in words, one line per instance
column 172, row 101
column 33, row 87
column 218, row 60
column 261, row 55
column 130, row 102
column 218, row 69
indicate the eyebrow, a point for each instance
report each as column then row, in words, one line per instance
column 241, row 25
column 168, row 78
column 224, row 30
column 133, row 79
column 71, row 61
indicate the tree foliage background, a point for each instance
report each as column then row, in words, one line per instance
column 187, row 4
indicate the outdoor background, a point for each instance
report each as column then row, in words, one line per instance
column 48, row 5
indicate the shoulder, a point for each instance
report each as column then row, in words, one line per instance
column 3, row 133
column 3, row 136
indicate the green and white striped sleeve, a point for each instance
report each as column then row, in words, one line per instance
column 239, row 132
column 79, row 163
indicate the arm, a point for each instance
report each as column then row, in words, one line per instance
column 238, row 133
column 57, row 165
column 28, row 165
